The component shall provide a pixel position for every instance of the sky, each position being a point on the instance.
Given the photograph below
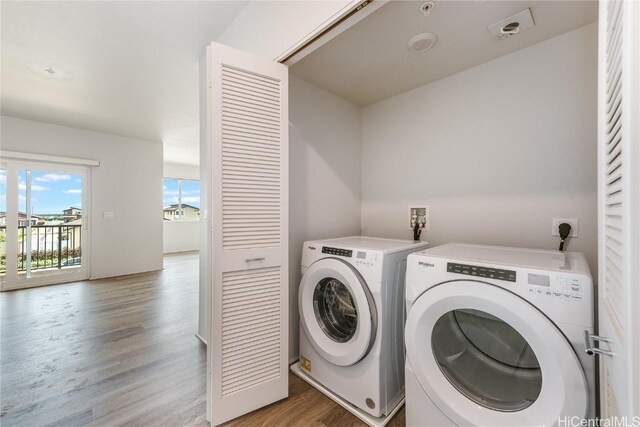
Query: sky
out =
(190, 192)
(51, 193)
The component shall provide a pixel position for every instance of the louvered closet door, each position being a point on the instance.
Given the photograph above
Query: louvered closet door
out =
(619, 207)
(249, 232)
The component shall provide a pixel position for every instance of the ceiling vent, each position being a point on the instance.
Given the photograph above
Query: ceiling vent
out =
(512, 25)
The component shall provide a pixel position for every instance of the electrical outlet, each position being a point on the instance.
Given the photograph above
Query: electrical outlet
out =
(556, 223)
(419, 214)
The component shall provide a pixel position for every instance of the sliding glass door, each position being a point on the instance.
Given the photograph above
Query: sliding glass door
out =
(43, 224)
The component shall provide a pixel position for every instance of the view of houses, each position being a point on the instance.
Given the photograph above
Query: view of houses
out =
(177, 212)
(54, 242)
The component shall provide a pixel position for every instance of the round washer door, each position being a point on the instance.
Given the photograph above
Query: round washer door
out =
(485, 356)
(337, 311)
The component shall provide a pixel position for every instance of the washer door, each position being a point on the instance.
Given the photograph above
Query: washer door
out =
(485, 356)
(337, 311)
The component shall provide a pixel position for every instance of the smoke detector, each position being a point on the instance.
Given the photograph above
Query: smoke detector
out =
(422, 42)
(512, 25)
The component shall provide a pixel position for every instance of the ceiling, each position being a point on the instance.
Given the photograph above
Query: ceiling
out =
(370, 61)
(128, 68)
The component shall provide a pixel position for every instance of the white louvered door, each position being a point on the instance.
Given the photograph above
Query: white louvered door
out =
(619, 208)
(248, 206)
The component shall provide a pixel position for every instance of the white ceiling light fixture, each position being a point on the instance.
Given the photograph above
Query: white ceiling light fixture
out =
(49, 71)
(422, 42)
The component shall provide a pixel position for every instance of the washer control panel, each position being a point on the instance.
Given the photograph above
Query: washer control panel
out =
(479, 271)
(555, 286)
(348, 253)
(365, 259)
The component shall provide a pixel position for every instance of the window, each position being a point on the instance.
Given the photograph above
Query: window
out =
(181, 199)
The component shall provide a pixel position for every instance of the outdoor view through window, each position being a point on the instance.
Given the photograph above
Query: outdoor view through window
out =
(181, 199)
(49, 221)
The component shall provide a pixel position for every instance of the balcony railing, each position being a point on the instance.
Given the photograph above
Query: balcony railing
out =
(52, 247)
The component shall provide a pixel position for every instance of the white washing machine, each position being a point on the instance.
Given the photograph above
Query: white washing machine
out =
(496, 336)
(351, 302)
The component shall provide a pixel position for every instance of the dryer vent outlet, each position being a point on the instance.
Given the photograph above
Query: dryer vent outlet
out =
(512, 25)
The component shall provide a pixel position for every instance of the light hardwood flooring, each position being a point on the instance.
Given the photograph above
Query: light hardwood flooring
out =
(122, 351)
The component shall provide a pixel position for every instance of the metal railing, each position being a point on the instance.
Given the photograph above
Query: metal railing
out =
(52, 247)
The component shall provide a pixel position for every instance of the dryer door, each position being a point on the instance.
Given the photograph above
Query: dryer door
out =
(337, 311)
(485, 356)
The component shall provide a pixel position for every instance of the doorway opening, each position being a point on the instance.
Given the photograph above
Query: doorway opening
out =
(44, 233)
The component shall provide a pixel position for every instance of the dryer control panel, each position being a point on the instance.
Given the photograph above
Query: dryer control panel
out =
(480, 271)
(557, 286)
(337, 251)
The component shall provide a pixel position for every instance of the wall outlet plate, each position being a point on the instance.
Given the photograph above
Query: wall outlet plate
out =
(419, 213)
(571, 221)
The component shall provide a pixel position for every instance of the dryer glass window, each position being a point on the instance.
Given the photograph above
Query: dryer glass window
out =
(486, 360)
(335, 309)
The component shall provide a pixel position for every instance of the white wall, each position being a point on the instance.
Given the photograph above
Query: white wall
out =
(324, 168)
(496, 151)
(128, 183)
(180, 236)
(178, 170)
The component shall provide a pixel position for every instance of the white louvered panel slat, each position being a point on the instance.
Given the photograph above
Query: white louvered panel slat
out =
(614, 199)
(242, 75)
(244, 141)
(619, 206)
(254, 119)
(251, 153)
(264, 101)
(231, 159)
(248, 105)
(253, 102)
(254, 79)
(614, 173)
(249, 113)
(232, 83)
(613, 179)
(250, 357)
(251, 181)
(249, 127)
(613, 151)
(243, 325)
(247, 85)
(243, 348)
(614, 119)
(240, 282)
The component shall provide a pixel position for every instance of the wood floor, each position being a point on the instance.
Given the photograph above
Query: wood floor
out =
(122, 351)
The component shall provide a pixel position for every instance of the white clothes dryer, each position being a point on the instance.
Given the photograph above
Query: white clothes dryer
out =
(496, 336)
(351, 302)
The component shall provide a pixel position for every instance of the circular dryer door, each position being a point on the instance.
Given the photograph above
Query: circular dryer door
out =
(337, 311)
(485, 356)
